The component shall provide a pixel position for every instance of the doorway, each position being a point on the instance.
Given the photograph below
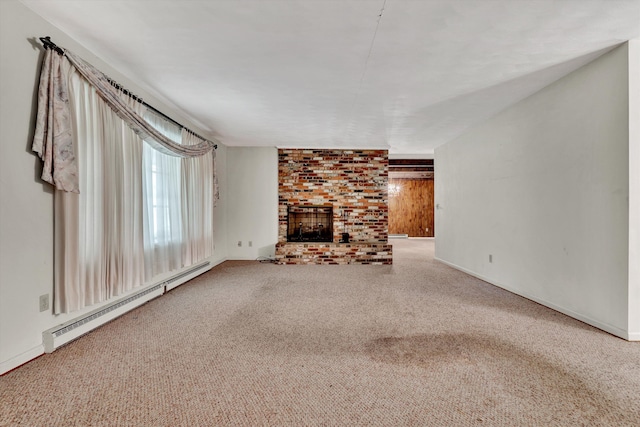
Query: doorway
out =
(411, 197)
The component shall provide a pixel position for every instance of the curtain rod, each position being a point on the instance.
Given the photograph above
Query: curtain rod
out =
(48, 44)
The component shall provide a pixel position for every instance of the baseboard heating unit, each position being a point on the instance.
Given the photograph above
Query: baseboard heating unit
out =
(67, 332)
(189, 274)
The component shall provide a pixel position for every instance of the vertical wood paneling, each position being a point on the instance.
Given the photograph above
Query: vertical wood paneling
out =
(411, 209)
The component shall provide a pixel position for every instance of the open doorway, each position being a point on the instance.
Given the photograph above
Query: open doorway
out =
(411, 197)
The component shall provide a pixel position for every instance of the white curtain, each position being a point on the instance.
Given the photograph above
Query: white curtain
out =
(163, 211)
(198, 198)
(99, 232)
(52, 137)
(125, 210)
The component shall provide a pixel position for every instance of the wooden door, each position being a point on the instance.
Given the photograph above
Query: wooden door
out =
(411, 208)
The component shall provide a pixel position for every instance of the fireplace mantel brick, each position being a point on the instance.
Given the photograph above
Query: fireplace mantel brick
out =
(352, 181)
(333, 253)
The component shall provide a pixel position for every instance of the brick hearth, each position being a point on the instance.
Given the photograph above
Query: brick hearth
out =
(353, 182)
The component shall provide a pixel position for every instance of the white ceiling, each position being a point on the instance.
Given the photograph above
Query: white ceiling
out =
(403, 75)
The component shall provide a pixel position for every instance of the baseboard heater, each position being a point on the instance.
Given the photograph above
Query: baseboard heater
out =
(180, 278)
(67, 332)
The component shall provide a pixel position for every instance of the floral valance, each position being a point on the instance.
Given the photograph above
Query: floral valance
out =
(53, 138)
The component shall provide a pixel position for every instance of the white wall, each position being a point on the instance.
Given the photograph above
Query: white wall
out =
(544, 187)
(26, 204)
(253, 201)
(634, 189)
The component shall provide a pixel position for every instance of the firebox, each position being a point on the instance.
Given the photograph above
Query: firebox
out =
(310, 224)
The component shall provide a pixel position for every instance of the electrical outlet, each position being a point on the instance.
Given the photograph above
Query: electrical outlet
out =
(250, 244)
(44, 302)
(490, 258)
(239, 243)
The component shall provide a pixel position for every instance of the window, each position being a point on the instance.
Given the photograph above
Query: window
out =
(162, 183)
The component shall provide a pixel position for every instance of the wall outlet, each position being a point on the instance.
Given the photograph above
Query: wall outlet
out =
(490, 258)
(44, 302)
(250, 244)
(239, 243)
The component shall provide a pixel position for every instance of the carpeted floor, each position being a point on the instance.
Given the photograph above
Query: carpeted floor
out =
(416, 343)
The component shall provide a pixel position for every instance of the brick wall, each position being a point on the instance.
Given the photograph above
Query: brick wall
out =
(353, 182)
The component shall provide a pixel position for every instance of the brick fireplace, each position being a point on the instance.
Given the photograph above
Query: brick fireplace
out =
(346, 190)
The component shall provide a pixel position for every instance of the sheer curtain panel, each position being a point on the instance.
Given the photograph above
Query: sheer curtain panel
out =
(126, 210)
(163, 211)
(99, 232)
(198, 198)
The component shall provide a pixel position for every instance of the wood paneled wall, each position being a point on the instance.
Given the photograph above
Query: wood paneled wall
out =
(411, 209)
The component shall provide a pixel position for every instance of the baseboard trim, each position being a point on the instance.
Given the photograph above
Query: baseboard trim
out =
(21, 359)
(634, 336)
(613, 330)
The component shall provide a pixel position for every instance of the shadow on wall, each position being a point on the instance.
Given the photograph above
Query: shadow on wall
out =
(268, 251)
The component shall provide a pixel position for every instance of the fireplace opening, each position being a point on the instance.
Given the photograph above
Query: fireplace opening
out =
(310, 224)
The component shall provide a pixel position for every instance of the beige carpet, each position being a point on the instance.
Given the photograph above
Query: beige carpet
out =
(251, 344)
